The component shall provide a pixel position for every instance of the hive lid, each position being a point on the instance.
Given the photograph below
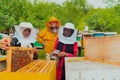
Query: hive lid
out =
(103, 49)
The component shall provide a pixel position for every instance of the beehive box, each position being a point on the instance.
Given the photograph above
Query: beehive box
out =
(98, 34)
(18, 57)
(110, 33)
(36, 70)
(104, 49)
(21, 66)
(87, 35)
(80, 69)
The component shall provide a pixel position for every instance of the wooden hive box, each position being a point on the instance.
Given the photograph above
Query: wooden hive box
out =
(36, 70)
(31, 70)
(103, 49)
(18, 57)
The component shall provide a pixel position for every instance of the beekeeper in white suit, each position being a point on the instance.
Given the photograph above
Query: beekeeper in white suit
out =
(25, 36)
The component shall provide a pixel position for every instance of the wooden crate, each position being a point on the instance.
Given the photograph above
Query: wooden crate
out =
(103, 49)
(36, 70)
(80, 69)
(18, 57)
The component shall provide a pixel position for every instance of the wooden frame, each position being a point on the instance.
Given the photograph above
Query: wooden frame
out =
(18, 57)
(103, 49)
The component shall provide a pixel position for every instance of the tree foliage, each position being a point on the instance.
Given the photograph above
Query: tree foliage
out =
(105, 19)
(13, 12)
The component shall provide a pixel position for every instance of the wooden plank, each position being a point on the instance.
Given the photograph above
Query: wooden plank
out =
(94, 48)
(33, 69)
(42, 69)
(49, 67)
(18, 57)
(103, 49)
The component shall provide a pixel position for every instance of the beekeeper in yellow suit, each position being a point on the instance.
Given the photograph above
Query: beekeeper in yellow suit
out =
(48, 36)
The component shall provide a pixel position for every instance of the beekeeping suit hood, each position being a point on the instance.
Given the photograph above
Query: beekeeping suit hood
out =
(67, 40)
(25, 42)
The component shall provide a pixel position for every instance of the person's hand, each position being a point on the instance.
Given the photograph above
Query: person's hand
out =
(62, 54)
(5, 43)
(34, 50)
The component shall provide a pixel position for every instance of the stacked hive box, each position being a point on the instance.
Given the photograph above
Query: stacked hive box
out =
(101, 60)
(21, 66)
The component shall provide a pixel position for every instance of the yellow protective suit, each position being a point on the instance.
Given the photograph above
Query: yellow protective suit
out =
(48, 38)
